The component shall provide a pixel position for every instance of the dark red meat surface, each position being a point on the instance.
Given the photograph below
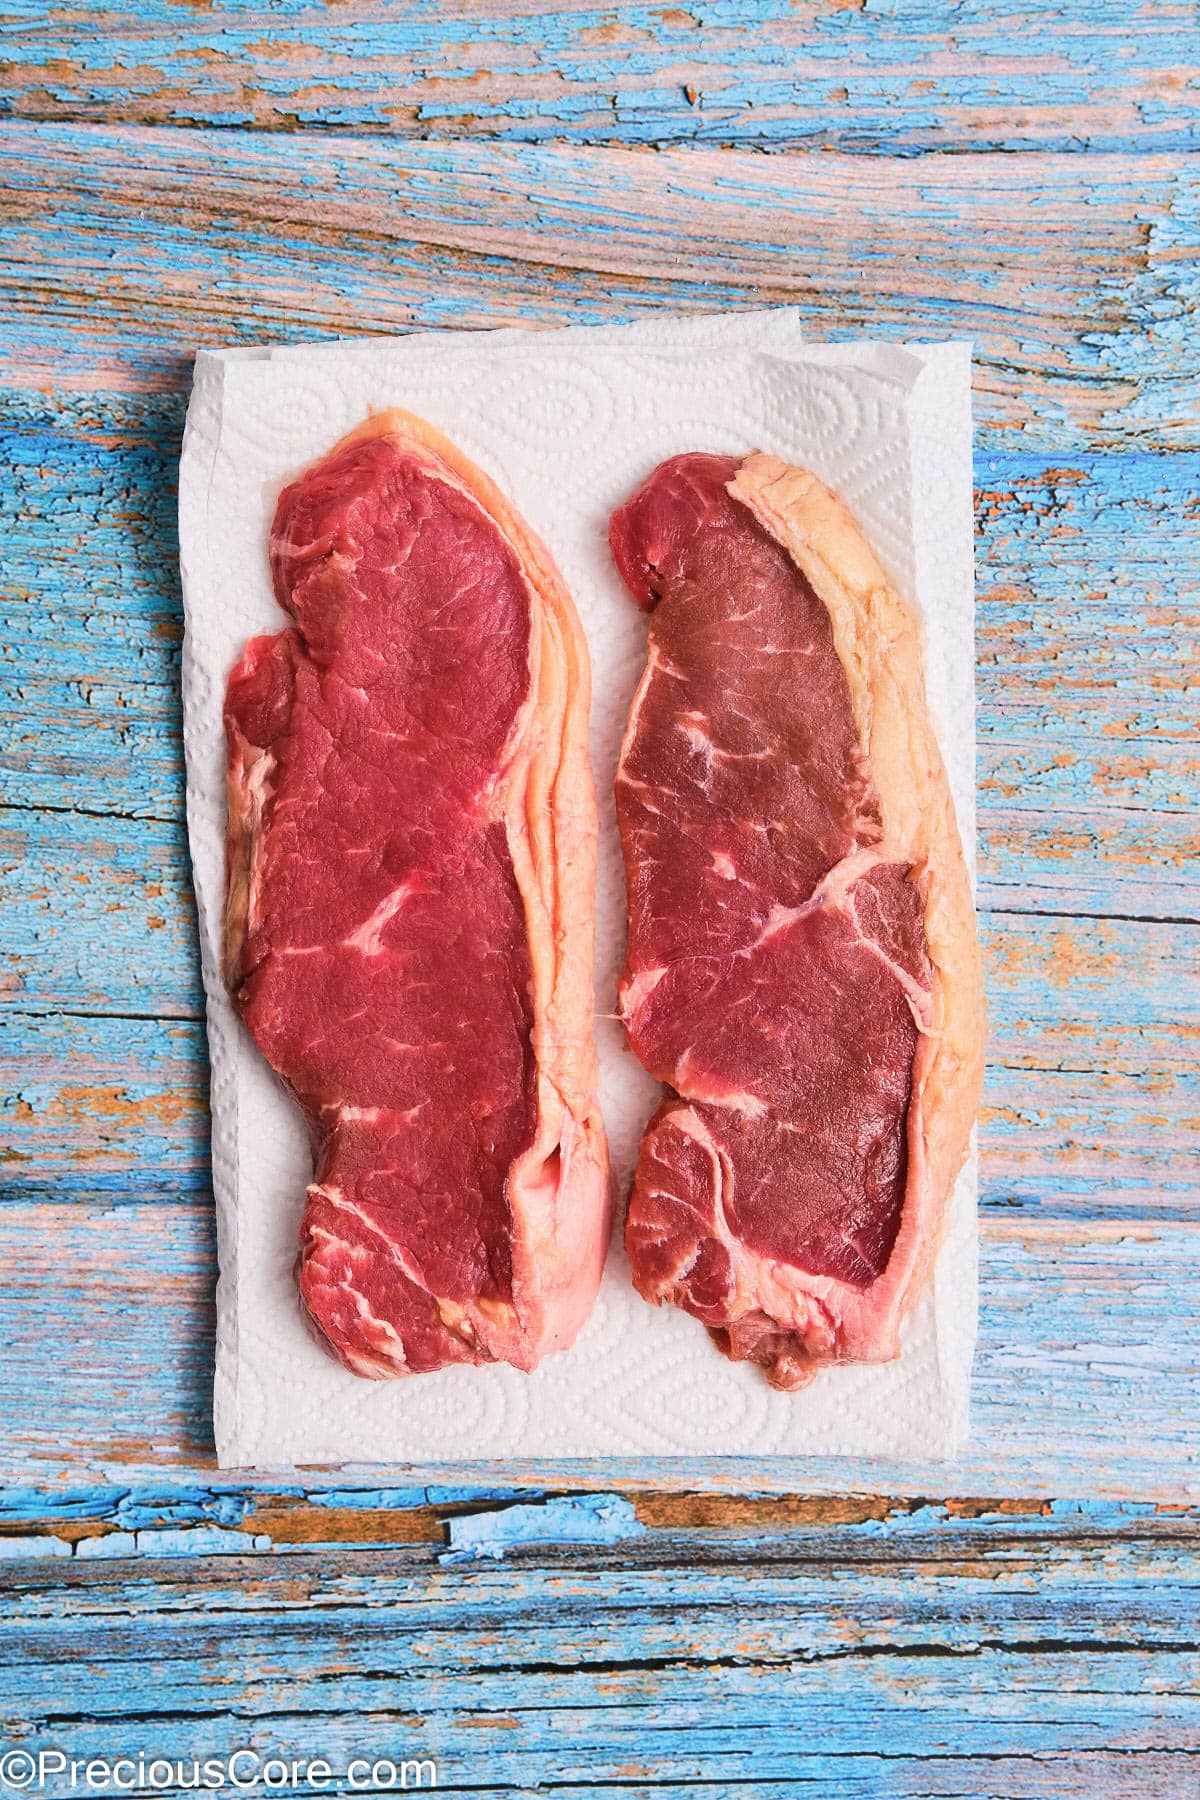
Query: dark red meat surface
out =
(384, 968)
(774, 955)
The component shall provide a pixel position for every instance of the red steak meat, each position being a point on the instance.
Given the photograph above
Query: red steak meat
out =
(801, 970)
(408, 936)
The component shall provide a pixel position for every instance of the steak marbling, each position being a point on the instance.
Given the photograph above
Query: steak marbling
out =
(802, 971)
(411, 858)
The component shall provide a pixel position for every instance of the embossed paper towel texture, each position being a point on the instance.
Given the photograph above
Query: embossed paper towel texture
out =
(568, 422)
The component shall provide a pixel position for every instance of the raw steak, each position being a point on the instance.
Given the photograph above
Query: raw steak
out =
(802, 970)
(411, 861)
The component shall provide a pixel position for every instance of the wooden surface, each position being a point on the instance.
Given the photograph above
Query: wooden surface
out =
(177, 173)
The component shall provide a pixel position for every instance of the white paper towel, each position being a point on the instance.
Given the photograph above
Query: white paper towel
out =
(568, 422)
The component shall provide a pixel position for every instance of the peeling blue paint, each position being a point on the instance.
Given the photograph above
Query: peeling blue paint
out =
(568, 1519)
(875, 79)
(36, 1549)
(196, 1540)
(397, 1499)
(228, 244)
(87, 556)
(182, 1502)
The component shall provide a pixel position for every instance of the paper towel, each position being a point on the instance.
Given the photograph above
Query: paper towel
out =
(568, 422)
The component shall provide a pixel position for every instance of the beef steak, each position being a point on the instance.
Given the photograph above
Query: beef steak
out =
(801, 969)
(411, 858)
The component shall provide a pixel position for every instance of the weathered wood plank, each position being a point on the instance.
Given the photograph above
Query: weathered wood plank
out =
(807, 1639)
(199, 1516)
(104, 1106)
(1119, 1775)
(827, 73)
(101, 915)
(1150, 1545)
(1088, 597)
(729, 1642)
(1086, 1377)
(124, 248)
(578, 1622)
(1087, 701)
(100, 921)
(1067, 823)
(1137, 864)
(1101, 1775)
(707, 1587)
(652, 1729)
(140, 1306)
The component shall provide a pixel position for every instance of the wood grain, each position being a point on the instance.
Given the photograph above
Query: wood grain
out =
(122, 249)
(911, 1649)
(889, 80)
(1089, 612)
(1087, 609)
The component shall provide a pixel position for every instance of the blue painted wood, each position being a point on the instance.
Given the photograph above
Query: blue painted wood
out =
(91, 620)
(568, 1519)
(155, 241)
(888, 79)
(912, 1649)
(1090, 1101)
(727, 1640)
(103, 920)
